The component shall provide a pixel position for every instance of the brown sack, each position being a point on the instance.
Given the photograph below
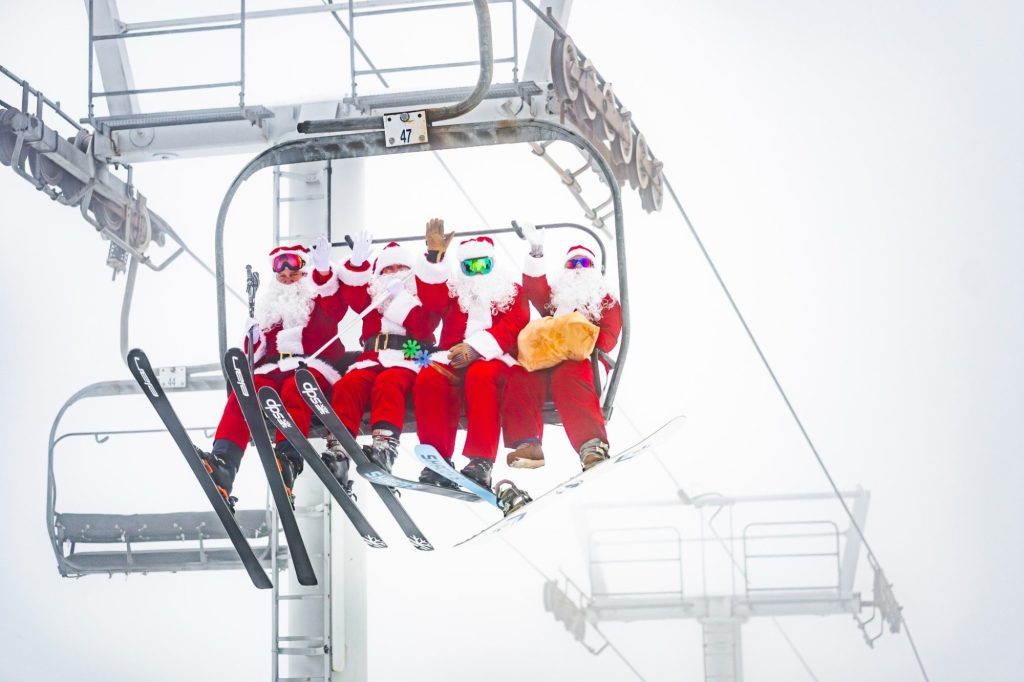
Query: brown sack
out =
(548, 341)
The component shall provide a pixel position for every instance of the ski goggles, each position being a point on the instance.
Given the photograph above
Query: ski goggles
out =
(579, 262)
(477, 266)
(287, 261)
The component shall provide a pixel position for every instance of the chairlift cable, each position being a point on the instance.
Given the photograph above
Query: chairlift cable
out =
(872, 558)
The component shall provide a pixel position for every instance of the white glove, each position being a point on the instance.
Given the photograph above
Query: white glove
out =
(322, 254)
(362, 244)
(534, 236)
(253, 330)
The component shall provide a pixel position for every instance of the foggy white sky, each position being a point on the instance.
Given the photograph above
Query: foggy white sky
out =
(854, 168)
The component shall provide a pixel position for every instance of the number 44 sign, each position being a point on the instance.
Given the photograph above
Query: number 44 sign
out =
(409, 127)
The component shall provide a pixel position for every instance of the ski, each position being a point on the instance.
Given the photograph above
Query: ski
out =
(236, 369)
(318, 402)
(274, 408)
(431, 458)
(140, 368)
(579, 479)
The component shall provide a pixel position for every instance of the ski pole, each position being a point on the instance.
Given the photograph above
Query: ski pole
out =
(252, 283)
(370, 308)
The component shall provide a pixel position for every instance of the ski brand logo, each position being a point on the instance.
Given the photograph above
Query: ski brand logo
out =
(374, 541)
(276, 411)
(239, 379)
(146, 380)
(312, 392)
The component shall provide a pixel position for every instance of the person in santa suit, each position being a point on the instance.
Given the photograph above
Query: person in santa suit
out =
(482, 311)
(579, 286)
(397, 336)
(296, 315)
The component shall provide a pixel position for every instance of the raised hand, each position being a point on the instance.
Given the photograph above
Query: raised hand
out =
(362, 245)
(322, 254)
(437, 240)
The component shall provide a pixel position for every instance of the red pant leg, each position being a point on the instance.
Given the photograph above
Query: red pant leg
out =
(296, 406)
(437, 401)
(572, 389)
(352, 396)
(482, 386)
(387, 399)
(232, 424)
(522, 404)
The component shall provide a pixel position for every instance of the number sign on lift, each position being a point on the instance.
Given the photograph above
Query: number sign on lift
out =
(409, 127)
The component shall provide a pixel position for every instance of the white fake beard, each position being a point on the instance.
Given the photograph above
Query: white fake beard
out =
(379, 286)
(287, 304)
(582, 289)
(494, 291)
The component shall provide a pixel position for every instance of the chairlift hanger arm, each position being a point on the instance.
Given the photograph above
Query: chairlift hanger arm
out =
(483, 84)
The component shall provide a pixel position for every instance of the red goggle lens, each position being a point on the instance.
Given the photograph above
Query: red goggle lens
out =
(288, 261)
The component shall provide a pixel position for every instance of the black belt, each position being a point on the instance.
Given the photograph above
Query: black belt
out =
(386, 341)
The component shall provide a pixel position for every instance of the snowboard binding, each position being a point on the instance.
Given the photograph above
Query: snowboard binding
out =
(511, 497)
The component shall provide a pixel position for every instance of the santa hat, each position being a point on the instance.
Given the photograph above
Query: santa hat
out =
(393, 254)
(298, 249)
(580, 251)
(477, 247)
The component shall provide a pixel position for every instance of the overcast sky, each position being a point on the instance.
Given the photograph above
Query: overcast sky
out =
(854, 168)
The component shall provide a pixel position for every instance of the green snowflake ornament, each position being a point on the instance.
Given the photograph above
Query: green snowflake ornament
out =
(410, 348)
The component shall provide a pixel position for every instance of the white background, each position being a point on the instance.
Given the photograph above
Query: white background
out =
(854, 168)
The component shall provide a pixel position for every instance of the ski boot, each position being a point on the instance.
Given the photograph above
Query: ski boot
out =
(593, 452)
(527, 455)
(479, 469)
(290, 464)
(384, 449)
(338, 463)
(430, 477)
(510, 497)
(222, 464)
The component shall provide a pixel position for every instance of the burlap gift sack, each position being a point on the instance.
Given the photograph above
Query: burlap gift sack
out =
(548, 341)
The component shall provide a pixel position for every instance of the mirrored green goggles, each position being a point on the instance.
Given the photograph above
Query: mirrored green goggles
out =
(477, 266)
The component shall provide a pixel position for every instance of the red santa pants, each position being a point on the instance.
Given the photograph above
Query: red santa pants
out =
(383, 389)
(232, 424)
(571, 384)
(438, 402)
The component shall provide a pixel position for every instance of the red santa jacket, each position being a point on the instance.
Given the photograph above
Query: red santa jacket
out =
(538, 291)
(493, 334)
(403, 315)
(281, 348)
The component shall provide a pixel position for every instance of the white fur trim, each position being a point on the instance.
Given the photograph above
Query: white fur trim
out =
(362, 364)
(432, 273)
(475, 249)
(393, 255)
(484, 344)
(584, 253)
(319, 365)
(355, 276)
(477, 320)
(290, 340)
(441, 357)
(330, 287)
(534, 267)
(400, 307)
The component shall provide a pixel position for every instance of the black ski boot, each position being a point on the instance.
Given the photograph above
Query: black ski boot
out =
(431, 477)
(337, 461)
(290, 464)
(222, 464)
(384, 449)
(479, 469)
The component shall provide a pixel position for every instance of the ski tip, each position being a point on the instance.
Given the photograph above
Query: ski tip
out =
(306, 580)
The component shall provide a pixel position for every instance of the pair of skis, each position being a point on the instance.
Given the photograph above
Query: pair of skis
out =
(253, 406)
